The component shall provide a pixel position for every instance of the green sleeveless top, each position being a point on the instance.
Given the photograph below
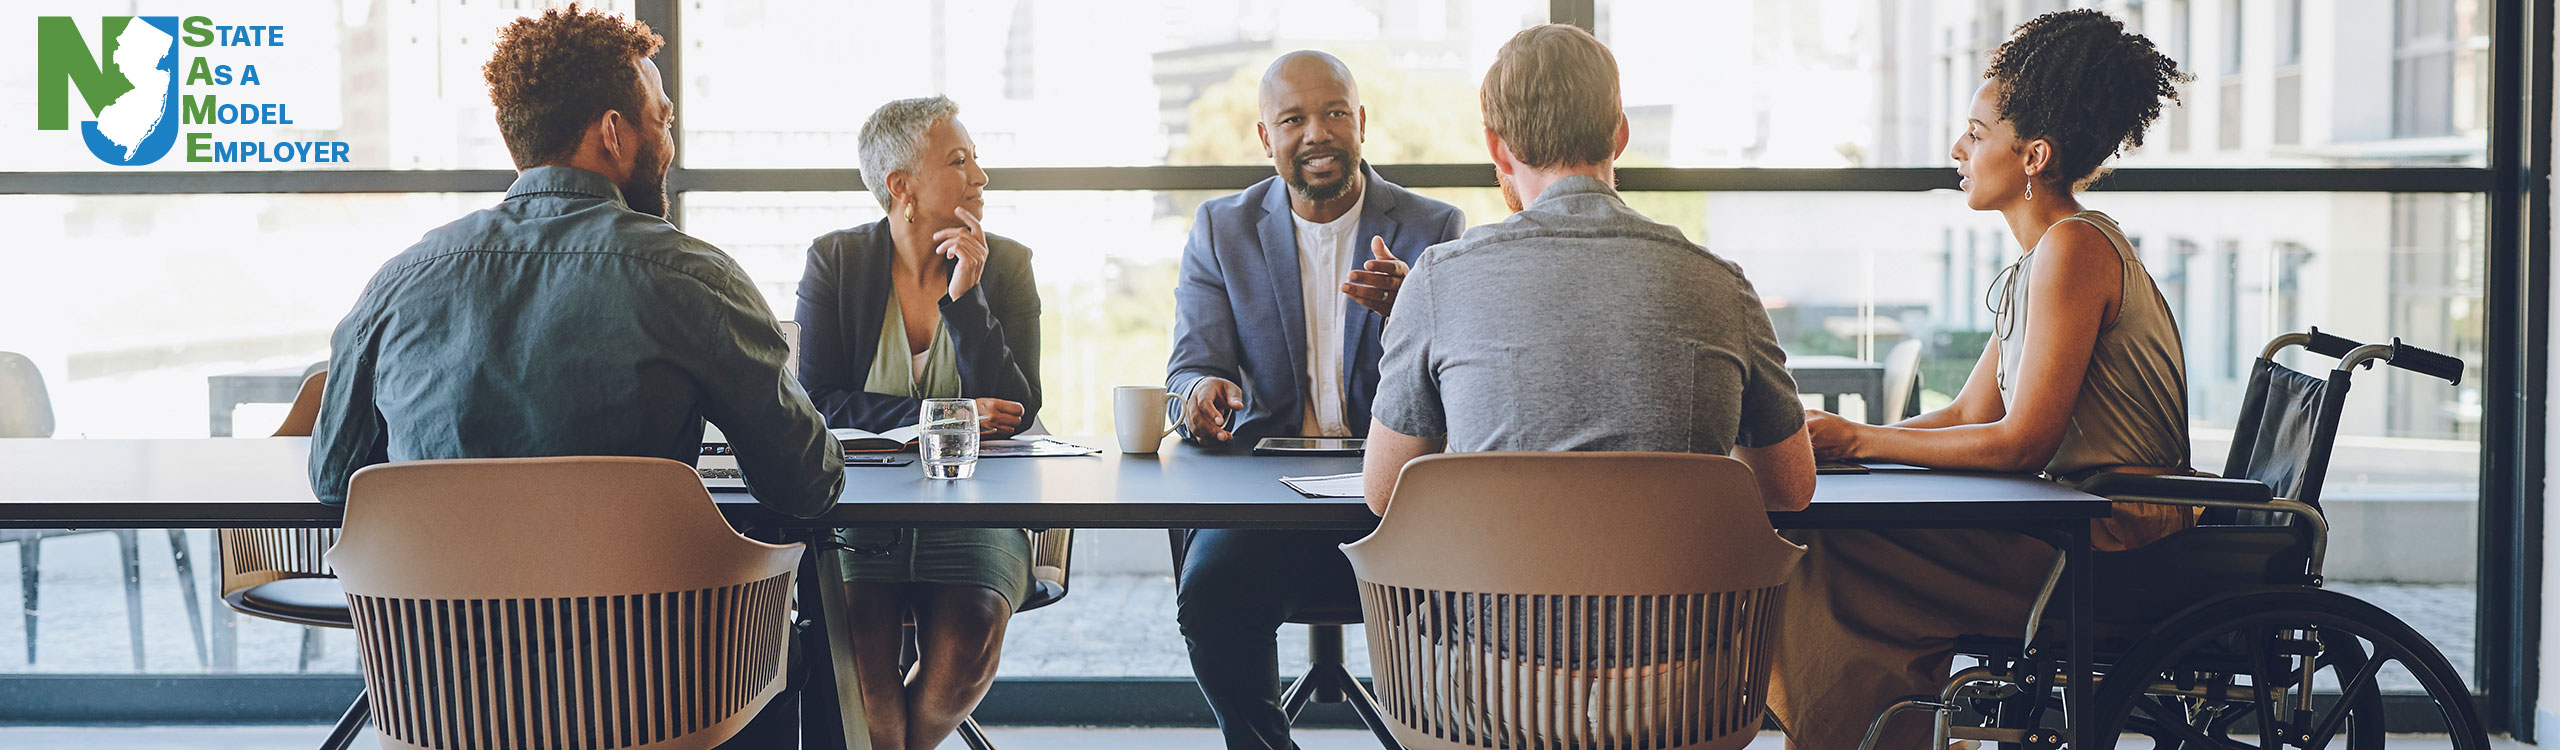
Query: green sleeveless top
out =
(895, 372)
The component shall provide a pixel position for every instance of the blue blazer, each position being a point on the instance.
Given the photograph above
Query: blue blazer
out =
(1238, 313)
(844, 298)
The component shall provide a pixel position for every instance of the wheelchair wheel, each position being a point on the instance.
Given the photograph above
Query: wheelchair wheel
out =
(2231, 675)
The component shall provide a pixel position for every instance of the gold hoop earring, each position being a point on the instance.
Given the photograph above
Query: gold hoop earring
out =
(2031, 195)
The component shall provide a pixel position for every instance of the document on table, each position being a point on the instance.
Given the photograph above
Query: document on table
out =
(1037, 447)
(1331, 485)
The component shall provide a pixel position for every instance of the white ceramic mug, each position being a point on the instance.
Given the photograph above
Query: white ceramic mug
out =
(1140, 413)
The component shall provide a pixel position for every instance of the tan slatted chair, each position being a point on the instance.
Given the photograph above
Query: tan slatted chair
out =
(279, 574)
(586, 602)
(1572, 600)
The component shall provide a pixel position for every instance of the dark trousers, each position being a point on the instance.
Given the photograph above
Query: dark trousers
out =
(1236, 588)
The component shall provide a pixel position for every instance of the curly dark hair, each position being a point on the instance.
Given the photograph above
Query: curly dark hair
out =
(553, 74)
(2078, 80)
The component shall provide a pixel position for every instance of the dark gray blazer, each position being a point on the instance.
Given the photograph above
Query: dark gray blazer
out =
(844, 296)
(1238, 313)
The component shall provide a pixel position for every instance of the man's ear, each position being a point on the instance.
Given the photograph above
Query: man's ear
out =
(1263, 132)
(610, 129)
(1502, 160)
(1360, 124)
(1619, 148)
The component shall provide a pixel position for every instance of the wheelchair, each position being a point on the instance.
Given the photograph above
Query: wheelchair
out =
(2220, 636)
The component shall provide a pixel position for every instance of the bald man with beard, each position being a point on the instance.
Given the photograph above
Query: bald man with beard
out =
(1285, 290)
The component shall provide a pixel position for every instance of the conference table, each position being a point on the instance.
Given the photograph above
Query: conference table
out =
(262, 483)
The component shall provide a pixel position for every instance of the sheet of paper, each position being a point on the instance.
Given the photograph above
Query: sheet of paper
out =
(1031, 448)
(1331, 485)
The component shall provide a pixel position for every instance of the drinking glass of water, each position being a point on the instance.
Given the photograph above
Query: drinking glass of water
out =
(948, 438)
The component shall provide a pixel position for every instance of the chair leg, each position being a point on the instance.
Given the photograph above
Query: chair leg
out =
(130, 543)
(350, 725)
(181, 556)
(975, 737)
(1295, 700)
(30, 553)
(1367, 706)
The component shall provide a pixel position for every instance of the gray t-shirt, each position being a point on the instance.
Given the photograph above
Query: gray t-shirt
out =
(1579, 324)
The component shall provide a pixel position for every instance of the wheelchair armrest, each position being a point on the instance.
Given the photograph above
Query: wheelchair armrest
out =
(2176, 487)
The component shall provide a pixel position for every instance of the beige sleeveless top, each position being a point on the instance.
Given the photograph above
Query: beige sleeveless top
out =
(2132, 409)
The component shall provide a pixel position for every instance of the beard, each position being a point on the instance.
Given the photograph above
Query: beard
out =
(646, 191)
(1510, 195)
(1319, 193)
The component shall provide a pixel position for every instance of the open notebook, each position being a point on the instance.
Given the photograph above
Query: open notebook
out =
(853, 441)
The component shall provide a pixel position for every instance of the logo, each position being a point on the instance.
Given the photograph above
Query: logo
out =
(130, 85)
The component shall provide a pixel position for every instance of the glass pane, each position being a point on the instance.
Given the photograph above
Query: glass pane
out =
(397, 83)
(145, 297)
(1846, 83)
(1059, 83)
(87, 626)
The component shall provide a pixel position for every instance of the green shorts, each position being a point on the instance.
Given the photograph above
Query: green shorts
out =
(995, 559)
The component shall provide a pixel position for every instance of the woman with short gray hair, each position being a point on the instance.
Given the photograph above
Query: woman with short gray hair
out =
(923, 304)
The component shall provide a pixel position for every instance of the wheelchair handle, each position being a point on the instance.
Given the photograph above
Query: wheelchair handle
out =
(2423, 362)
(2330, 345)
(2350, 352)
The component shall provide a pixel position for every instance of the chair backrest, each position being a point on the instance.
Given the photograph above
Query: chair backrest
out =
(1902, 381)
(597, 602)
(1053, 554)
(257, 557)
(2288, 423)
(305, 413)
(26, 409)
(1572, 600)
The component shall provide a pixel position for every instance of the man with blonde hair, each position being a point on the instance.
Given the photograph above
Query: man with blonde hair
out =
(1577, 324)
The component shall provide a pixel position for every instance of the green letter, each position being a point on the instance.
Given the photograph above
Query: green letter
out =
(62, 57)
(201, 72)
(196, 147)
(199, 31)
(190, 114)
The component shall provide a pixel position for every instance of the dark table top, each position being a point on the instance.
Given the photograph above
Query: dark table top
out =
(261, 482)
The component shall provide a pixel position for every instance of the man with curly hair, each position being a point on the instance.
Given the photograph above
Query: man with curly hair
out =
(570, 318)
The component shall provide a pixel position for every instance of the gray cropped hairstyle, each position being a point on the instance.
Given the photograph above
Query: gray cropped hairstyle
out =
(892, 135)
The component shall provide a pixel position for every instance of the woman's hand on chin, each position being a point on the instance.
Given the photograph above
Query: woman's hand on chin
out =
(967, 245)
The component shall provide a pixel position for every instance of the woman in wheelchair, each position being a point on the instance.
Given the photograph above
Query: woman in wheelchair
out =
(2084, 375)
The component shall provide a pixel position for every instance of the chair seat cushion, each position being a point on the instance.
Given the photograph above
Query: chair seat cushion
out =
(303, 601)
(1042, 594)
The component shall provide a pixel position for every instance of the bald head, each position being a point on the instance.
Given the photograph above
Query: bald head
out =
(1303, 70)
(1311, 128)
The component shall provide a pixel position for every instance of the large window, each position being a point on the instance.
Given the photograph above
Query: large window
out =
(1070, 84)
(1805, 140)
